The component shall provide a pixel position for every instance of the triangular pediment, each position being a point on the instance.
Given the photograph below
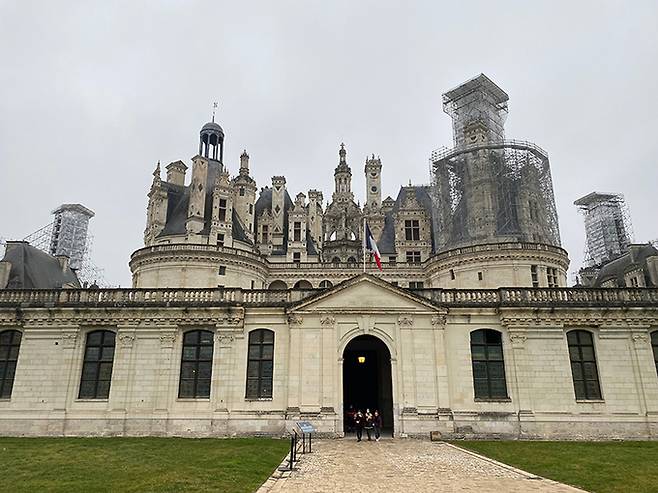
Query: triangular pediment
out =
(365, 292)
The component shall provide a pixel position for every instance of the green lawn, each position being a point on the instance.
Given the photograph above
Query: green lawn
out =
(137, 464)
(601, 467)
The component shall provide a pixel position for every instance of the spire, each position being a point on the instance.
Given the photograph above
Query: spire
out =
(214, 109)
(156, 174)
(342, 153)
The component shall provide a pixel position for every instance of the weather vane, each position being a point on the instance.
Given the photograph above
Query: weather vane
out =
(214, 109)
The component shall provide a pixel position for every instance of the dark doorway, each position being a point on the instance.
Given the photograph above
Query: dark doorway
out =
(367, 379)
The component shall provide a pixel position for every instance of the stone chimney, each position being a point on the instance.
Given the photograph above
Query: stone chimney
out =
(176, 173)
(5, 268)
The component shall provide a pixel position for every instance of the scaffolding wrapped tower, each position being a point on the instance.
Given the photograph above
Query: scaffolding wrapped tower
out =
(487, 189)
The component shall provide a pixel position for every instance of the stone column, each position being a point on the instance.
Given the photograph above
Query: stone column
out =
(442, 380)
(645, 372)
(520, 380)
(294, 367)
(330, 400)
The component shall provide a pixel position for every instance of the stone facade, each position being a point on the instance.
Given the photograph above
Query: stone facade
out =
(427, 333)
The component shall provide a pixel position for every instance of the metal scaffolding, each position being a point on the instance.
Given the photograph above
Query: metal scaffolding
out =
(488, 189)
(608, 226)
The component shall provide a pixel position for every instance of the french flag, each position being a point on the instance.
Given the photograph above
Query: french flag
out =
(370, 246)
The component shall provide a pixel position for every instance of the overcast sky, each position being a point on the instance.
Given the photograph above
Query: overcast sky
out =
(93, 94)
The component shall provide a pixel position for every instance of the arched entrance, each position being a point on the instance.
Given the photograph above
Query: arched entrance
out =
(367, 379)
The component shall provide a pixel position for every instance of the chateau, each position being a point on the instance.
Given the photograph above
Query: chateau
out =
(251, 310)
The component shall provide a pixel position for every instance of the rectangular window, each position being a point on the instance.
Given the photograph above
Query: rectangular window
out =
(535, 276)
(416, 285)
(260, 364)
(392, 260)
(222, 209)
(251, 208)
(413, 257)
(480, 276)
(583, 365)
(265, 233)
(241, 191)
(297, 257)
(222, 270)
(97, 366)
(488, 365)
(220, 239)
(10, 343)
(252, 284)
(297, 231)
(452, 274)
(411, 230)
(551, 277)
(196, 365)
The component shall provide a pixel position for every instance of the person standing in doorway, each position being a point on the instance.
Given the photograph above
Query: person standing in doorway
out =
(358, 424)
(368, 423)
(378, 423)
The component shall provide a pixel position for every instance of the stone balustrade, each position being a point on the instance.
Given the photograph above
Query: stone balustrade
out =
(558, 297)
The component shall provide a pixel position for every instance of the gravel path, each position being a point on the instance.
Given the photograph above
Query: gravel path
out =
(402, 465)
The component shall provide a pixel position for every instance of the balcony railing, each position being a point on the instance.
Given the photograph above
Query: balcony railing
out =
(552, 297)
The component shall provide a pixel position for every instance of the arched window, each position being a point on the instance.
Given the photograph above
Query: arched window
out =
(278, 285)
(351, 260)
(97, 366)
(488, 364)
(583, 365)
(326, 284)
(654, 346)
(196, 365)
(10, 343)
(303, 284)
(260, 366)
(335, 260)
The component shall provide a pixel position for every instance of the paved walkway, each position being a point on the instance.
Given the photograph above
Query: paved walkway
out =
(402, 465)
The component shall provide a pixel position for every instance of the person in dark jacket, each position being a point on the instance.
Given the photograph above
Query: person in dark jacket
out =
(378, 424)
(358, 424)
(368, 421)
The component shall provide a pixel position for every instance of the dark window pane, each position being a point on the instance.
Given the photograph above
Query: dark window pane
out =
(579, 388)
(186, 388)
(268, 336)
(496, 370)
(108, 338)
(588, 353)
(204, 370)
(13, 353)
(478, 353)
(590, 371)
(266, 369)
(188, 370)
(203, 388)
(495, 353)
(90, 371)
(87, 389)
(254, 351)
(206, 337)
(205, 353)
(107, 354)
(105, 371)
(92, 354)
(492, 337)
(574, 353)
(266, 389)
(2, 369)
(191, 337)
(585, 337)
(498, 388)
(94, 338)
(252, 388)
(481, 388)
(477, 337)
(268, 351)
(5, 337)
(593, 390)
(577, 371)
(10, 371)
(253, 370)
(572, 337)
(479, 369)
(189, 353)
(103, 389)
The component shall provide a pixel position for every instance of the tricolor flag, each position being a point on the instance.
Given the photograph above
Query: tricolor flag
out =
(370, 245)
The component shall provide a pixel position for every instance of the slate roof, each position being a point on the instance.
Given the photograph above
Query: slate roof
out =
(616, 269)
(32, 268)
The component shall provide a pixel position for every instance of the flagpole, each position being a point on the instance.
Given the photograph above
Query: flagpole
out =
(363, 244)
